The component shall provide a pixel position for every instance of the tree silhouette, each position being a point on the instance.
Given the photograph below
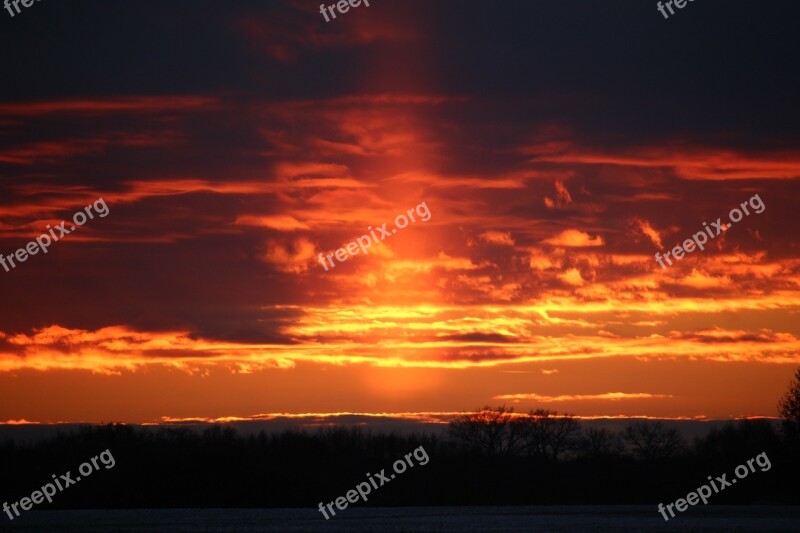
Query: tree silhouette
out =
(598, 443)
(789, 409)
(734, 440)
(547, 434)
(488, 430)
(653, 441)
(216, 467)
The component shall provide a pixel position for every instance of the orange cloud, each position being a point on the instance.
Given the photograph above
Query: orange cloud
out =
(648, 230)
(574, 238)
(414, 336)
(276, 222)
(690, 164)
(612, 396)
(133, 104)
(497, 237)
(20, 422)
(294, 257)
(563, 197)
(572, 277)
(49, 152)
(701, 280)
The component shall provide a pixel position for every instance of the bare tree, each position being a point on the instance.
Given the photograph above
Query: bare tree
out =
(489, 430)
(789, 408)
(652, 441)
(602, 443)
(548, 434)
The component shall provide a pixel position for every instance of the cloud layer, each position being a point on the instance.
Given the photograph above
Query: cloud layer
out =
(555, 167)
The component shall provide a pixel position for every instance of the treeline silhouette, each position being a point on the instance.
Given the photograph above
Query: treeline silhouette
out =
(490, 457)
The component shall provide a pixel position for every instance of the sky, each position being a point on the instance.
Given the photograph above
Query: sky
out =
(548, 151)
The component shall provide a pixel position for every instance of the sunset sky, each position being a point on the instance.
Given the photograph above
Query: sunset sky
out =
(557, 145)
